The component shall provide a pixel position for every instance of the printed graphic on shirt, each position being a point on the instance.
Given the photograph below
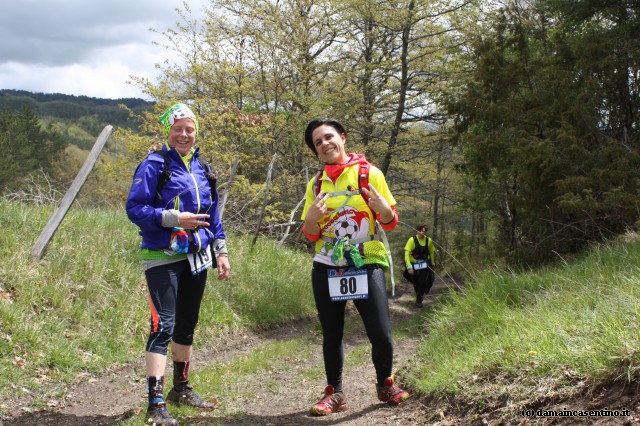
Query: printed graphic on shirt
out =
(348, 215)
(348, 222)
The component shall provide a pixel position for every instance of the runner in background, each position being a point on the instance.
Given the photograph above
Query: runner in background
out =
(419, 258)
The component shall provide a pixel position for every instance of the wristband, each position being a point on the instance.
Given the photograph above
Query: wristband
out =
(391, 221)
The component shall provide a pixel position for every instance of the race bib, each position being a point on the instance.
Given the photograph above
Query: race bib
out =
(200, 261)
(348, 284)
(421, 265)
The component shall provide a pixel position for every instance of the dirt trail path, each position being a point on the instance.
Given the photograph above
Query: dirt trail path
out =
(120, 394)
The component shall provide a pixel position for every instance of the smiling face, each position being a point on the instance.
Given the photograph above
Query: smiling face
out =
(182, 135)
(329, 144)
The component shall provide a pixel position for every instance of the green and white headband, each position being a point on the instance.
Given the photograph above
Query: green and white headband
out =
(174, 113)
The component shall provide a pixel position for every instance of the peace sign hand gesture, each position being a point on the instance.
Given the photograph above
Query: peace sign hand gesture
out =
(379, 204)
(316, 211)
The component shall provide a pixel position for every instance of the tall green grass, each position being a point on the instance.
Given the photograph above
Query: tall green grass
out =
(561, 325)
(83, 307)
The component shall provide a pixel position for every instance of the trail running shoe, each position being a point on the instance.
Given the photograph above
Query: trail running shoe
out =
(391, 393)
(158, 415)
(188, 397)
(330, 402)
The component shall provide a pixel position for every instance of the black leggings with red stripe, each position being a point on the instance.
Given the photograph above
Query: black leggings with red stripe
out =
(174, 299)
(374, 312)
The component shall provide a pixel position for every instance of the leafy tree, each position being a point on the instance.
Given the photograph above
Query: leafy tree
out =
(26, 146)
(543, 122)
(257, 71)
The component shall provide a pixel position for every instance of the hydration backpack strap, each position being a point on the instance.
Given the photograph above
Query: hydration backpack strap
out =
(332, 241)
(211, 176)
(317, 184)
(363, 180)
(165, 175)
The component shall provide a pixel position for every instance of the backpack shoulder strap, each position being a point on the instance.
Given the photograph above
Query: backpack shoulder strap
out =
(211, 176)
(363, 180)
(421, 250)
(317, 183)
(165, 176)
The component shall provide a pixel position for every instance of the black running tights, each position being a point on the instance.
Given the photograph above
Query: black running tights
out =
(374, 312)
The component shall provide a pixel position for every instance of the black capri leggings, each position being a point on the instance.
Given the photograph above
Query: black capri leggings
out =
(374, 312)
(174, 299)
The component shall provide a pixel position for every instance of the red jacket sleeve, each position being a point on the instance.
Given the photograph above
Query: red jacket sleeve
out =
(390, 225)
(312, 237)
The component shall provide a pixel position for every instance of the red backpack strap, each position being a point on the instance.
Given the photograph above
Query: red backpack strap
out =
(317, 184)
(363, 180)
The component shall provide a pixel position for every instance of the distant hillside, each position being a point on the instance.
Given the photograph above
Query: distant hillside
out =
(79, 118)
(81, 100)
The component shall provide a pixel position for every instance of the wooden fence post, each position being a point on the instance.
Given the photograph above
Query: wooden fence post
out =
(225, 193)
(266, 199)
(293, 213)
(54, 222)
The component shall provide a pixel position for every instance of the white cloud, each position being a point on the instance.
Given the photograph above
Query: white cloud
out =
(81, 47)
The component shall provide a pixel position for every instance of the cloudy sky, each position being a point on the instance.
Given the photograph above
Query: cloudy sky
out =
(83, 47)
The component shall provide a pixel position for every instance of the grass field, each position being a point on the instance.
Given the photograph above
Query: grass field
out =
(82, 310)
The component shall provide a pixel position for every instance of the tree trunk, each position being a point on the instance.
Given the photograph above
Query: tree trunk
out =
(404, 85)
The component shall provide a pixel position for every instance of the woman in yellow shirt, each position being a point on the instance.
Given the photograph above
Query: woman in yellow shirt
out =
(419, 258)
(341, 217)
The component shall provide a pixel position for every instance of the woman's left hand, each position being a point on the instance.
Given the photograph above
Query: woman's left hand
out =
(378, 203)
(223, 267)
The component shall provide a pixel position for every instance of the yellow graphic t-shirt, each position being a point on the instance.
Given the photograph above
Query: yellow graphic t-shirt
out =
(349, 215)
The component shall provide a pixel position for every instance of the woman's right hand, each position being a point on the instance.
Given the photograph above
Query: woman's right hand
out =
(188, 220)
(316, 211)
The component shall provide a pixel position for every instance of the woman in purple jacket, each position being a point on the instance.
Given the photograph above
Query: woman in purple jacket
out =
(174, 202)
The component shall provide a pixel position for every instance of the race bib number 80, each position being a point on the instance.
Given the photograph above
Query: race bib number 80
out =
(348, 284)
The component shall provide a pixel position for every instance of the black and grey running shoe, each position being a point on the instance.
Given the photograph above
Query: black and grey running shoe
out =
(158, 415)
(189, 398)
